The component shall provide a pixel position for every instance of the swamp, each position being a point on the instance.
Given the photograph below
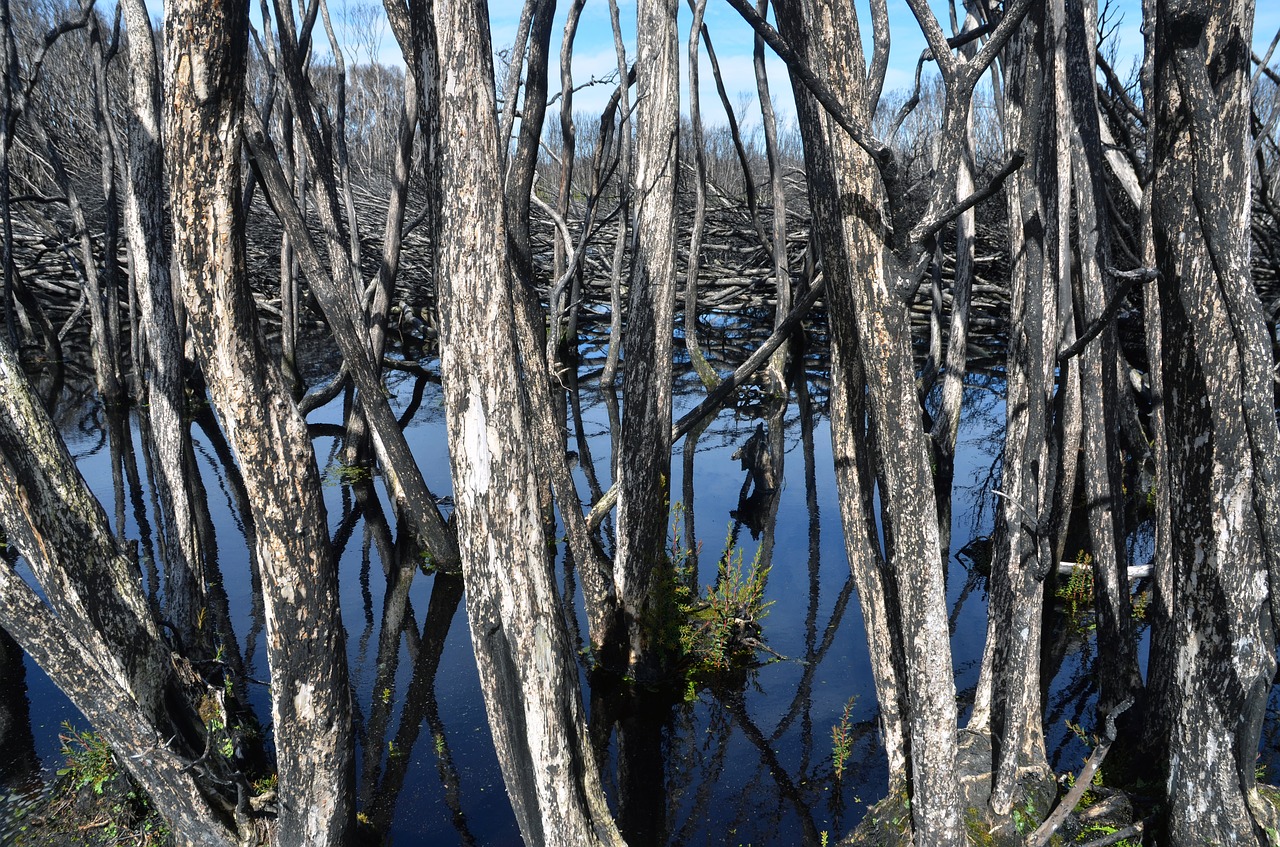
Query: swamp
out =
(409, 436)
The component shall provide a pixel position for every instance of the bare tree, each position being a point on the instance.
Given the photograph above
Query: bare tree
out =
(311, 710)
(647, 379)
(521, 644)
(1219, 615)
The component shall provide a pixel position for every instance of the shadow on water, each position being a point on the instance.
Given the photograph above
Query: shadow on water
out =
(747, 761)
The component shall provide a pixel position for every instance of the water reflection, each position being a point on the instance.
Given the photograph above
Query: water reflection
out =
(749, 761)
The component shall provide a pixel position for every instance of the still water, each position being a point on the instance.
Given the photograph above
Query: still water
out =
(750, 764)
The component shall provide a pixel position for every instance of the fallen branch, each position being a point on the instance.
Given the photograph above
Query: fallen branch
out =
(1135, 571)
(1084, 779)
(1117, 836)
(716, 398)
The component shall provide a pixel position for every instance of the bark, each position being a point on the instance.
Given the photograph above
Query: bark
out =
(1119, 677)
(311, 710)
(647, 375)
(108, 150)
(706, 373)
(564, 263)
(521, 645)
(546, 419)
(161, 382)
(101, 298)
(778, 196)
(946, 425)
(96, 638)
(610, 373)
(876, 591)
(8, 81)
(1021, 556)
(845, 185)
(1223, 442)
(336, 287)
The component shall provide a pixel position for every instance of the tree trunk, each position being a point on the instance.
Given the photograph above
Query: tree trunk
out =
(527, 673)
(1021, 557)
(646, 366)
(95, 638)
(161, 383)
(205, 65)
(844, 182)
(1118, 673)
(1223, 441)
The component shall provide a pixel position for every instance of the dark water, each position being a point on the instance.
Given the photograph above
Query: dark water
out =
(748, 765)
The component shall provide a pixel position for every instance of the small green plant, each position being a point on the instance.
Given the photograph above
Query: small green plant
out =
(1077, 592)
(439, 744)
(343, 474)
(426, 562)
(842, 739)
(89, 761)
(265, 784)
(126, 813)
(707, 635)
(1025, 817)
(1141, 603)
(1098, 831)
(979, 835)
(721, 628)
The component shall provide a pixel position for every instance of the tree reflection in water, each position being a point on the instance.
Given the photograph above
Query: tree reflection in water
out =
(747, 760)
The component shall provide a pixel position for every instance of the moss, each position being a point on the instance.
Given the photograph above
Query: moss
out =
(976, 828)
(887, 823)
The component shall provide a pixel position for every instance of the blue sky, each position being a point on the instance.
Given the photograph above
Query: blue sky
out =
(732, 38)
(594, 51)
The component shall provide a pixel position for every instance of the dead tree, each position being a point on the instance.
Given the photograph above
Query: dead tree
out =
(161, 380)
(855, 190)
(1009, 688)
(204, 76)
(337, 282)
(1220, 612)
(646, 368)
(527, 672)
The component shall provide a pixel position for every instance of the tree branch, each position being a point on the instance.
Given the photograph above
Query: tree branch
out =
(860, 133)
(1084, 779)
(716, 398)
(1129, 279)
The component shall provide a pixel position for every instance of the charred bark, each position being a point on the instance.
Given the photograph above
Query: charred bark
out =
(521, 644)
(311, 710)
(1223, 444)
(646, 368)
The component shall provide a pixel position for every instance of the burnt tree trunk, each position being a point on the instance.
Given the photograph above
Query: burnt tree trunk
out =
(1101, 442)
(868, 309)
(95, 637)
(161, 382)
(1021, 557)
(647, 343)
(204, 74)
(1223, 444)
(527, 672)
